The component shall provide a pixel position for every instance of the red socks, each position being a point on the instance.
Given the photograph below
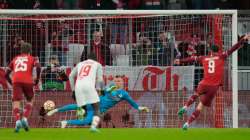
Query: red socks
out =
(16, 113)
(27, 110)
(194, 116)
(191, 100)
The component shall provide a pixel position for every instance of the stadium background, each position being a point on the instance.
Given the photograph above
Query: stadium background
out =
(35, 36)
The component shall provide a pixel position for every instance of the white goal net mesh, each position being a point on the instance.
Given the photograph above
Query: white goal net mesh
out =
(140, 47)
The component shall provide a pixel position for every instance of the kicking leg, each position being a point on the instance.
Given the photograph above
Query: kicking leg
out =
(194, 116)
(190, 101)
(96, 118)
(63, 109)
(86, 121)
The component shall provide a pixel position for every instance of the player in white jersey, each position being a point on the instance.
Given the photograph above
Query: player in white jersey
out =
(88, 73)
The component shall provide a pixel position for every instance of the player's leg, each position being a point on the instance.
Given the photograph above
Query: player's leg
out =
(65, 108)
(16, 99)
(91, 97)
(86, 121)
(191, 100)
(29, 94)
(194, 116)
(96, 117)
(205, 100)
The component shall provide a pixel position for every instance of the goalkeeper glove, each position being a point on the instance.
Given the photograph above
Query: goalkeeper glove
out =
(143, 108)
(111, 88)
(80, 112)
(73, 95)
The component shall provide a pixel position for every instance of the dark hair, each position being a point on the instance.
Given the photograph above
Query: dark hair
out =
(119, 76)
(26, 47)
(214, 48)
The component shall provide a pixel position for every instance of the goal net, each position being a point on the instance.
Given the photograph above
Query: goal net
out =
(141, 45)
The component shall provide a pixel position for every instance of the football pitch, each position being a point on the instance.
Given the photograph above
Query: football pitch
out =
(126, 134)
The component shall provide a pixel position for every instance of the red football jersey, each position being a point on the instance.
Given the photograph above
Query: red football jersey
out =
(22, 68)
(213, 67)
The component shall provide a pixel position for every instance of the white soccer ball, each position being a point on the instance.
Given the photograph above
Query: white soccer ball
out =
(49, 105)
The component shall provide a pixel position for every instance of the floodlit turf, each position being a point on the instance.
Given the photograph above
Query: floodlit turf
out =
(126, 134)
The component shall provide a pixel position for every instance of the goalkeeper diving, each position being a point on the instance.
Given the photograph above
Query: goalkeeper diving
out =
(111, 95)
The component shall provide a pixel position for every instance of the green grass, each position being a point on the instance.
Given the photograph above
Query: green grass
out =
(126, 134)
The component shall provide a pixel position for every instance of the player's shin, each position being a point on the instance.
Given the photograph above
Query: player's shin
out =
(191, 100)
(17, 114)
(95, 122)
(68, 108)
(96, 118)
(27, 110)
(193, 117)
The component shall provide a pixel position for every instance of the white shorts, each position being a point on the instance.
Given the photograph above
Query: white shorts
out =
(86, 96)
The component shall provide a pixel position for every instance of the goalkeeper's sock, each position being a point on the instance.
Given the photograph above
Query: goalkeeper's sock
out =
(75, 122)
(68, 108)
(193, 117)
(63, 124)
(16, 113)
(191, 100)
(27, 110)
(95, 121)
(51, 112)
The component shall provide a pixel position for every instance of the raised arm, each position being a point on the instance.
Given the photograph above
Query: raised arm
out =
(241, 43)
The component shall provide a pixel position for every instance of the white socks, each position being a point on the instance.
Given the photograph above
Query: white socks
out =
(95, 122)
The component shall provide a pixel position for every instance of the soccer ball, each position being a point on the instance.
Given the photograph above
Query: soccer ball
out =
(49, 105)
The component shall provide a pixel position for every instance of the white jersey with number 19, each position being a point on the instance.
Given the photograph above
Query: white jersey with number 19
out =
(88, 73)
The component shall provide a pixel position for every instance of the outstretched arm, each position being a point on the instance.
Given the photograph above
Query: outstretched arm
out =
(242, 42)
(130, 101)
(133, 103)
(188, 59)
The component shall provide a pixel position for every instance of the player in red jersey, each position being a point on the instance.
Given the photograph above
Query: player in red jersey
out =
(22, 81)
(213, 66)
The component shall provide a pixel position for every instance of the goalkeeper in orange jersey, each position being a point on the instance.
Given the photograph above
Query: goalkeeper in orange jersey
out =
(213, 66)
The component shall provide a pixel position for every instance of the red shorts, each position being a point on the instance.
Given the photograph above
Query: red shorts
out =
(207, 93)
(21, 88)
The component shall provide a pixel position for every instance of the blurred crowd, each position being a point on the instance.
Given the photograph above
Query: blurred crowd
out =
(124, 4)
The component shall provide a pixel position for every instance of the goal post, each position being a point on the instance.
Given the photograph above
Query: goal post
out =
(133, 38)
(235, 71)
